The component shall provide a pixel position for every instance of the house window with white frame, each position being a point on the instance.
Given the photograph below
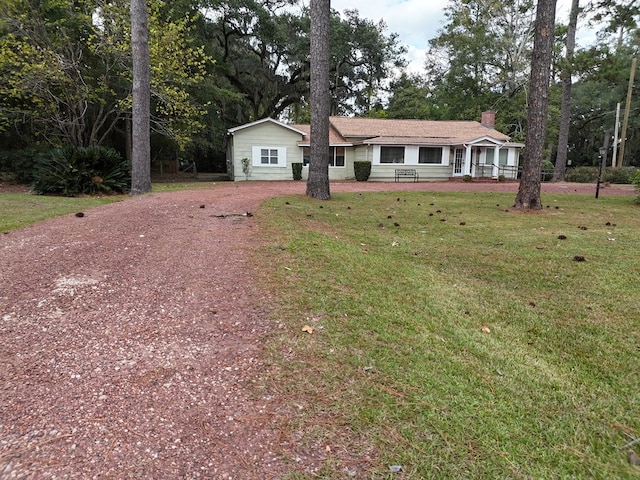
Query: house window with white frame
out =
(430, 155)
(336, 156)
(391, 154)
(488, 159)
(269, 156)
(337, 159)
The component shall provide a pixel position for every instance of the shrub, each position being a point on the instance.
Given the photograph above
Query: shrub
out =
(502, 178)
(619, 175)
(466, 178)
(246, 167)
(362, 170)
(581, 174)
(297, 170)
(547, 170)
(635, 180)
(72, 171)
(18, 165)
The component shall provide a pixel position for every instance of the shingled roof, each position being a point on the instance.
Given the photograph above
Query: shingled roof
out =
(348, 131)
(334, 137)
(392, 131)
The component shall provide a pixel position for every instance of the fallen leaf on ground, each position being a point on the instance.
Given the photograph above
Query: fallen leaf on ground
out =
(486, 329)
(307, 328)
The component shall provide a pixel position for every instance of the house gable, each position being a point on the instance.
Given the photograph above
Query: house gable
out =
(263, 150)
(239, 128)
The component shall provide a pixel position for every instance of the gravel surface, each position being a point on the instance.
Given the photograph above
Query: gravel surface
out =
(130, 338)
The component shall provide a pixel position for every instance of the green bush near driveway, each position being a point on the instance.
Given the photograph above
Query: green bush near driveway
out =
(72, 171)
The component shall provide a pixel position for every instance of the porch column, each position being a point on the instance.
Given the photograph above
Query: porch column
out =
(495, 171)
(467, 161)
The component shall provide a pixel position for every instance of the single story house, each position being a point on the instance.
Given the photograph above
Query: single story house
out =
(434, 150)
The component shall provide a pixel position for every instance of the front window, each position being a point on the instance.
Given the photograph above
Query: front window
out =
(503, 156)
(269, 156)
(430, 155)
(336, 158)
(489, 157)
(391, 154)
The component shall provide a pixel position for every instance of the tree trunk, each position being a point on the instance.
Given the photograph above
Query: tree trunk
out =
(140, 111)
(528, 197)
(318, 180)
(565, 109)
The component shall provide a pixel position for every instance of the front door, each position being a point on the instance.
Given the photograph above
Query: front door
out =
(458, 163)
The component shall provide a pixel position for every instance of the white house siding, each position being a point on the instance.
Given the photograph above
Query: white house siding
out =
(513, 160)
(387, 173)
(427, 172)
(266, 135)
(363, 153)
(336, 173)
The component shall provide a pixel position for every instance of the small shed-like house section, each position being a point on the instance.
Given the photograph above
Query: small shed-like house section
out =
(263, 150)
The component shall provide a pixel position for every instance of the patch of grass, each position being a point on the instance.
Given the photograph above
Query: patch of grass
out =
(22, 209)
(177, 186)
(456, 338)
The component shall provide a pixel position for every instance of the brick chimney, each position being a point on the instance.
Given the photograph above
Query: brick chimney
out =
(488, 119)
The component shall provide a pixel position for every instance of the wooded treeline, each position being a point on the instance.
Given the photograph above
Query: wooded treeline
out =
(65, 73)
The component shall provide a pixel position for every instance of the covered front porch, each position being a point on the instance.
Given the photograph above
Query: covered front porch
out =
(486, 158)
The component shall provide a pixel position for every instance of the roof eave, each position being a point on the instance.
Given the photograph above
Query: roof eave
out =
(233, 130)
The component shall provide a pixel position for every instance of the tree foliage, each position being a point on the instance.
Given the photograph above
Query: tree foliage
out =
(410, 98)
(262, 50)
(482, 53)
(65, 70)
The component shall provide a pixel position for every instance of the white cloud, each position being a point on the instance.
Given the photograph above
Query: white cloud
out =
(415, 21)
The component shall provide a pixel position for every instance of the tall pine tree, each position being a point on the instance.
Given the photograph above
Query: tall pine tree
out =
(528, 197)
(318, 180)
(141, 106)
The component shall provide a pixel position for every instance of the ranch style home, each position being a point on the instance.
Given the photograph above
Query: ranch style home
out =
(422, 149)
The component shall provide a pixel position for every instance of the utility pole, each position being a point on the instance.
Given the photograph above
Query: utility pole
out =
(625, 121)
(615, 137)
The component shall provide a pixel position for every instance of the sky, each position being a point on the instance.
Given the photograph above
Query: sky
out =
(418, 21)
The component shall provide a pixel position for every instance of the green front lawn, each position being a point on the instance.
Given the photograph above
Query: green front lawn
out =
(454, 338)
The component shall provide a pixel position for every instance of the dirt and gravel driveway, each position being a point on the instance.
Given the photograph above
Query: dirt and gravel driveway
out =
(130, 339)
